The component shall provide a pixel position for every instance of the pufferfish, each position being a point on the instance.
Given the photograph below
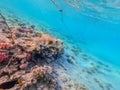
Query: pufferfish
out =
(10, 84)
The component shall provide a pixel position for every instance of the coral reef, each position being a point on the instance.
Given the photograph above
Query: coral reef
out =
(25, 55)
(41, 74)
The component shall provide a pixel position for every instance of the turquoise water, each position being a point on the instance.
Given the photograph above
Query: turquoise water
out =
(90, 25)
(94, 25)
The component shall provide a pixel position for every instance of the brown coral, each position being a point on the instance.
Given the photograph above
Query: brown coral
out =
(36, 73)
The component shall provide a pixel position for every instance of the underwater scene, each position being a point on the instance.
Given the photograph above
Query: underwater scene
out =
(60, 45)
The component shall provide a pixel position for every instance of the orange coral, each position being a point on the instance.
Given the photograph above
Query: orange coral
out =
(47, 39)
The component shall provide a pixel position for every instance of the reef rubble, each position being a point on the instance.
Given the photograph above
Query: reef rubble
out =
(25, 56)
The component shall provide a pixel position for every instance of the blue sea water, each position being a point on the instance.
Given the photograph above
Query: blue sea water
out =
(92, 25)
(95, 25)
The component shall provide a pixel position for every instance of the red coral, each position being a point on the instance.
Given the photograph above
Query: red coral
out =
(3, 56)
(4, 45)
(24, 65)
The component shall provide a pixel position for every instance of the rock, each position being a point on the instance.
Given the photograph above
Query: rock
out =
(71, 60)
